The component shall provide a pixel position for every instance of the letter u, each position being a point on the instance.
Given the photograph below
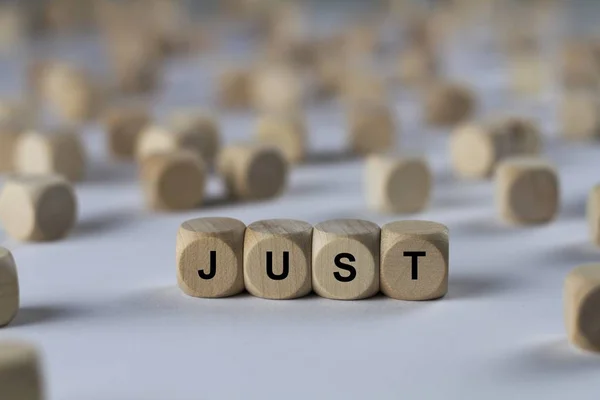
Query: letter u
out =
(286, 266)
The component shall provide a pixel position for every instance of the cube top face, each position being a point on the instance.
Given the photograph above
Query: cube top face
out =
(209, 257)
(9, 287)
(414, 260)
(345, 259)
(277, 259)
(582, 299)
(528, 190)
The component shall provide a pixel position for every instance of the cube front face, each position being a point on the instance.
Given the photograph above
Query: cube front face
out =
(277, 259)
(582, 301)
(414, 260)
(9, 287)
(345, 262)
(527, 194)
(20, 377)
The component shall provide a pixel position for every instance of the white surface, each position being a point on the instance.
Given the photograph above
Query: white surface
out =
(104, 305)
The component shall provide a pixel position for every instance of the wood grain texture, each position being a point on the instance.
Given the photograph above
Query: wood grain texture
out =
(398, 279)
(197, 131)
(278, 240)
(55, 152)
(253, 171)
(396, 184)
(123, 126)
(352, 244)
(581, 301)
(593, 215)
(196, 274)
(20, 371)
(448, 104)
(9, 287)
(477, 148)
(372, 128)
(173, 180)
(37, 207)
(286, 132)
(527, 190)
(580, 115)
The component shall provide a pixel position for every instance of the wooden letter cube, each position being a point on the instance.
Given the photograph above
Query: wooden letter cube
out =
(372, 128)
(253, 171)
(9, 288)
(593, 214)
(20, 376)
(527, 190)
(58, 152)
(198, 131)
(277, 259)
(286, 132)
(123, 126)
(210, 257)
(447, 104)
(582, 299)
(173, 180)
(345, 259)
(37, 207)
(277, 88)
(397, 184)
(414, 260)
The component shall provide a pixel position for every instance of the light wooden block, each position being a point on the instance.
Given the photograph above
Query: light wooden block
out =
(37, 207)
(123, 126)
(530, 73)
(20, 371)
(593, 214)
(286, 132)
(210, 257)
(9, 288)
(527, 190)
(414, 260)
(277, 259)
(361, 86)
(56, 152)
(580, 115)
(253, 171)
(582, 299)
(277, 88)
(580, 67)
(416, 66)
(173, 180)
(345, 259)
(372, 128)
(197, 130)
(397, 184)
(477, 148)
(9, 137)
(234, 88)
(448, 104)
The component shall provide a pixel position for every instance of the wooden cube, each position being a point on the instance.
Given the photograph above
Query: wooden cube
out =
(414, 260)
(173, 180)
(197, 130)
(56, 152)
(277, 88)
(234, 88)
(20, 371)
(253, 171)
(210, 257)
(360, 86)
(477, 148)
(417, 66)
(527, 190)
(123, 126)
(593, 214)
(397, 184)
(277, 259)
(582, 299)
(448, 104)
(580, 115)
(580, 67)
(372, 128)
(9, 137)
(286, 132)
(345, 259)
(530, 73)
(9, 288)
(37, 207)
(196, 133)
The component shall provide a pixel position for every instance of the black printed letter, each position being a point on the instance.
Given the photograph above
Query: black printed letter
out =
(286, 266)
(213, 267)
(346, 267)
(415, 261)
